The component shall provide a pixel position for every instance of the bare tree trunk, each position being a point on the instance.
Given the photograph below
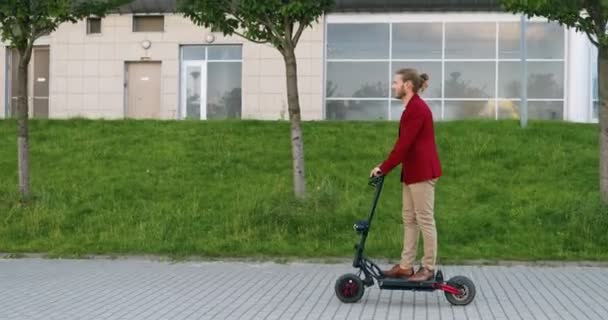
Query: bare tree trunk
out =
(603, 119)
(297, 142)
(22, 126)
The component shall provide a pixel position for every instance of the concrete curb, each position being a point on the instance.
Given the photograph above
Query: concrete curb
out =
(289, 260)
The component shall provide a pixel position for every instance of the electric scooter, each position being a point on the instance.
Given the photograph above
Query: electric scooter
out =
(349, 288)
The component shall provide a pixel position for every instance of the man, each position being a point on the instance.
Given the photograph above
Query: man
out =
(416, 151)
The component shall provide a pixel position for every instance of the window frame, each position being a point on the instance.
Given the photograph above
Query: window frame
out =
(443, 19)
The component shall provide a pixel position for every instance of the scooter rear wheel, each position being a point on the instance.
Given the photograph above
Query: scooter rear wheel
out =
(349, 288)
(467, 288)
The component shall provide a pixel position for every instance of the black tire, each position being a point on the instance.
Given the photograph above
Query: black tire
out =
(468, 291)
(349, 288)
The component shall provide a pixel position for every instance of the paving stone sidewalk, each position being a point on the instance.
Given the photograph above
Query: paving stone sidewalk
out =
(143, 289)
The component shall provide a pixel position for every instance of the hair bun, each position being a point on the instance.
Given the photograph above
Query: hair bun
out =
(424, 77)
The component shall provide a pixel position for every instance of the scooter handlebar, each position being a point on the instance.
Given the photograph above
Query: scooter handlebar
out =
(375, 180)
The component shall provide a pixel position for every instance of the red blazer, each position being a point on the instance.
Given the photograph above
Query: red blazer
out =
(415, 148)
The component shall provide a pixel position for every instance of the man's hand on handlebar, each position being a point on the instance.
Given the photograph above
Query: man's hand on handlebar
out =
(376, 172)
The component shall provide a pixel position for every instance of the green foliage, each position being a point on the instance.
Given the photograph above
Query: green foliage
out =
(278, 22)
(23, 21)
(589, 16)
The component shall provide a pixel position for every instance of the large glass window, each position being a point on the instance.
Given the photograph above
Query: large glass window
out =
(357, 84)
(470, 40)
(357, 79)
(474, 68)
(223, 90)
(464, 79)
(545, 80)
(356, 110)
(428, 38)
(358, 41)
(545, 70)
(211, 82)
(595, 101)
(543, 40)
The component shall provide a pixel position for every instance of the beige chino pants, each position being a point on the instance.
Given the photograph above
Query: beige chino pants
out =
(418, 215)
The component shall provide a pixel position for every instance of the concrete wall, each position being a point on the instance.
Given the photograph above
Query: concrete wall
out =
(87, 71)
(264, 78)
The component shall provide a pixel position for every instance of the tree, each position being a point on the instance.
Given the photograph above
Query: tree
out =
(21, 23)
(279, 23)
(589, 16)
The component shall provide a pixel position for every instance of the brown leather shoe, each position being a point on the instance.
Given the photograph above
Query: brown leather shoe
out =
(398, 272)
(423, 274)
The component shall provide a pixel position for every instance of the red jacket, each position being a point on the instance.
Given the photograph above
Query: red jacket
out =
(415, 148)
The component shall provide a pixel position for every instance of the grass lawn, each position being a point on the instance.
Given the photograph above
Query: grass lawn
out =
(224, 189)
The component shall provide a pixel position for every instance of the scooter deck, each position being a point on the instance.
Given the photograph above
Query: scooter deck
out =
(404, 284)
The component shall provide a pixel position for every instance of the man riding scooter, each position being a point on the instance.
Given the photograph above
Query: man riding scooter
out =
(416, 151)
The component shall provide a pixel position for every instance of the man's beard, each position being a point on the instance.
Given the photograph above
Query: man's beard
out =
(399, 95)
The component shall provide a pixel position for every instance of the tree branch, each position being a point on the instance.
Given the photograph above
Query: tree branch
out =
(27, 54)
(41, 33)
(249, 38)
(288, 27)
(296, 38)
(234, 14)
(243, 23)
(11, 31)
(25, 32)
(595, 42)
(38, 32)
(268, 24)
(288, 32)
(599, 23)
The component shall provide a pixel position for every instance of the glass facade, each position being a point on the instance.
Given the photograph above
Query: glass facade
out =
(595, 101)
(211, 82)
(474, 68)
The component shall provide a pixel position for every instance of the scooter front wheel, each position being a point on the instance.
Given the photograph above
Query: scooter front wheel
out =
(349, 288)
(467, 291)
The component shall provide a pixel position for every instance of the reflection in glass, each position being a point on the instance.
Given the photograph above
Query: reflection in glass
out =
(356, 110)
(455, 110)
(357, 79)
(469, 79)
(225, 52)
(193, 52)
(545, 80)
(470, 40)
(224, 90)
(357, 41)
(544, 40)
(537, 110)
(417, 40)
(193, 92)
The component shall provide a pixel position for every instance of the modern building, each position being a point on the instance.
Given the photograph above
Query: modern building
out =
(145, 61)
